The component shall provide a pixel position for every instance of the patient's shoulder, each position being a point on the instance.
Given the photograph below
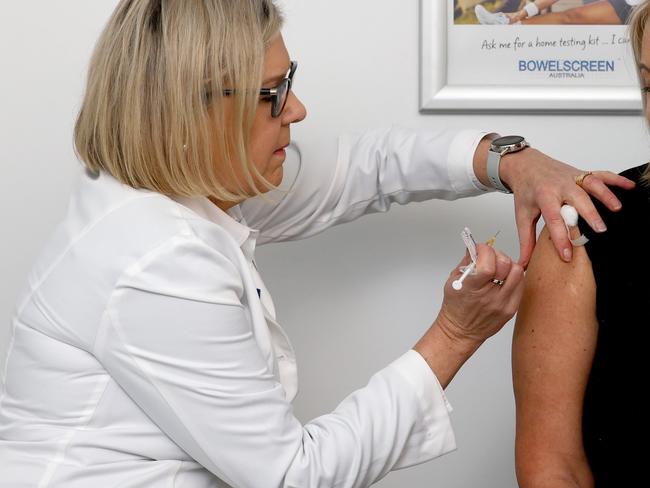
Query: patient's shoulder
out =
(639, 196)
(633, 215)
(623, 245)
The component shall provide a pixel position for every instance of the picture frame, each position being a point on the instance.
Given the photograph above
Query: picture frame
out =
(438, 94)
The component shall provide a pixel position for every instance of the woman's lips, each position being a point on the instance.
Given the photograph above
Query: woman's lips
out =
(281, 151)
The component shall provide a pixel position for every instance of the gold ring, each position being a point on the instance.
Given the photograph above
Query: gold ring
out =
(498, 282)
(581, 177)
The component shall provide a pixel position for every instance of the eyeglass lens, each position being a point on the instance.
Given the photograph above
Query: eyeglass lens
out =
(280, 99)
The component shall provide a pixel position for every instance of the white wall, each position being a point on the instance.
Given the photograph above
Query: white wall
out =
(357, 296)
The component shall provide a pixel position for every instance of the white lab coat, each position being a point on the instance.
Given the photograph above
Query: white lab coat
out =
(145, 350)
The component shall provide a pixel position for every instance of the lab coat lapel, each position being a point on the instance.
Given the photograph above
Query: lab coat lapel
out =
(285, 357)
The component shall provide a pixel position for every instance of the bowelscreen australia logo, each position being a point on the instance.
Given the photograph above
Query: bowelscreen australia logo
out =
(566, 68)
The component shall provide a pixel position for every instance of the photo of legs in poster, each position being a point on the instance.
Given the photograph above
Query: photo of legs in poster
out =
(540, 12)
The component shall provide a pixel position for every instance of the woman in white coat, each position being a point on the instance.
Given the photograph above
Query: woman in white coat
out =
(145, 350)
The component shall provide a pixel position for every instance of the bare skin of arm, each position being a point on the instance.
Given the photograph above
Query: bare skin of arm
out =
(553, 348)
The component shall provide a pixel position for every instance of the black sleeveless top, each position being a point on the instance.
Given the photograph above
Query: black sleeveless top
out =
(615, 425)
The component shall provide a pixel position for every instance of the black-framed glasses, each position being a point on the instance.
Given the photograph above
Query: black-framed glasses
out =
(278, 95)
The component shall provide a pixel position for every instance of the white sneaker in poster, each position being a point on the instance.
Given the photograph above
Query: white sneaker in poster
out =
(486, 17)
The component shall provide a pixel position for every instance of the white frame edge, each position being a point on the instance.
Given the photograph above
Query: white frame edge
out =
(437, 96)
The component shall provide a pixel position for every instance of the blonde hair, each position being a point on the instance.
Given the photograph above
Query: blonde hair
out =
(638, 21)
(153, 111)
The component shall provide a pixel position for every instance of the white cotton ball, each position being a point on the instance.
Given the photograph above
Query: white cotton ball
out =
(570, 215)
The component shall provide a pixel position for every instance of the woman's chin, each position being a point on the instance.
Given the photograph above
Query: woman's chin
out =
(275, 179)
(276, 176)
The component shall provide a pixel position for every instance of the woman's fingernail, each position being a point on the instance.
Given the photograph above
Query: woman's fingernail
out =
(567, 255)
(600, 226)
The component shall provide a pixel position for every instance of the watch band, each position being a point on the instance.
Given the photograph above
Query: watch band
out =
(493, 160)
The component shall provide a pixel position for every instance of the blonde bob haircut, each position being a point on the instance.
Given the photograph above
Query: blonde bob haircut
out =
(638, 22)
(153, 112)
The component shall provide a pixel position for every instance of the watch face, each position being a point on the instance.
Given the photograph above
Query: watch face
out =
(507, 141)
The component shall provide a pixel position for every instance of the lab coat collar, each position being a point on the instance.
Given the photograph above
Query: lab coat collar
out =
(232, 222)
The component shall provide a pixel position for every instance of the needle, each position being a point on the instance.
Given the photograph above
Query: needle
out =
(490, 241)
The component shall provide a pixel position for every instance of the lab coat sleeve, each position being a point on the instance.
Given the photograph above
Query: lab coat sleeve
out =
(177, 337)
(372, 170)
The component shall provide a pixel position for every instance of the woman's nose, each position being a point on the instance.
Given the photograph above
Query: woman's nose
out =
(294, 110)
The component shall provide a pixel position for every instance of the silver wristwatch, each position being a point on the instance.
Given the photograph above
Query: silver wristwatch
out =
(499, 147)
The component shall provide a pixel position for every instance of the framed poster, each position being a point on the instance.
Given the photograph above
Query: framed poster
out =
(479, 56)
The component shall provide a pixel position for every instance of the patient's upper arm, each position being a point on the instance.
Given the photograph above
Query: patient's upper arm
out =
(553, 348)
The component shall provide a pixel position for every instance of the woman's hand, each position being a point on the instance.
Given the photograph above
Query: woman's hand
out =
(473, 314)
(541, 185)
(482, 307)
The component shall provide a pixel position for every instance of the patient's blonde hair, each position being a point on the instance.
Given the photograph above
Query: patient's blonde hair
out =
(152, 115)
(638, 22)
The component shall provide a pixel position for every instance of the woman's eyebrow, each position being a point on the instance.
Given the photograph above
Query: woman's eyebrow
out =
(277, 78)
(643, 67)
